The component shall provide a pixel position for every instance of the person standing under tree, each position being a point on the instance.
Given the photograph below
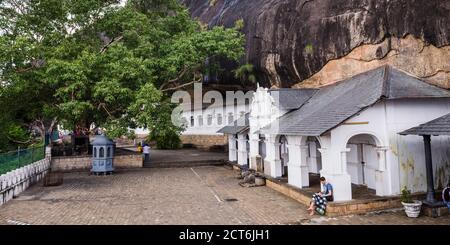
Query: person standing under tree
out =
(146, 151)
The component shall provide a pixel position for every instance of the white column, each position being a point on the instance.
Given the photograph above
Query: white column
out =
(343, 166)
(298, 171)
(313, 163)
(232, 148)
(273, 156)
(242, 149)
(381, 183)
(381, 152)
(335, 171)
(323, 152)
(304, 169)
(254, 150)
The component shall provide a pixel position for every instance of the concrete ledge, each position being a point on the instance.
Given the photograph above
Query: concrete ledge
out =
(84, 163)
(337, 208)
(205, 142)
(185, 164)
(435, 211)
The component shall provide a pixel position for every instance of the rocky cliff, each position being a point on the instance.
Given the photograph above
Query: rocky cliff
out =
(309, 43)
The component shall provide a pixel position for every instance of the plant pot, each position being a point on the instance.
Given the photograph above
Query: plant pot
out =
(412, 210)
(260, 181)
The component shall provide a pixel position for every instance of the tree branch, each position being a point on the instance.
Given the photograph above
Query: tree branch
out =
(181, 75)
(102, 105)
(18, 141)
(183, 85)
(53, 123)
(35, 63)
(114, 40)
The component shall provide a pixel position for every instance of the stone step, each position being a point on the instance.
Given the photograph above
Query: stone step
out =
(435, 211)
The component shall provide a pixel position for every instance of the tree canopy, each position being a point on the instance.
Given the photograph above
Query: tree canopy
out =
(81, 62)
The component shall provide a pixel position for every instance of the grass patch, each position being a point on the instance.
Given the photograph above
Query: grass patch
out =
(16, 159)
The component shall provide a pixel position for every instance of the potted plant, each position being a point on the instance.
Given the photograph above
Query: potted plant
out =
(412, 207)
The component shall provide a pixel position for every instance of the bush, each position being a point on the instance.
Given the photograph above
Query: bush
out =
(406, 196)
(165, 140)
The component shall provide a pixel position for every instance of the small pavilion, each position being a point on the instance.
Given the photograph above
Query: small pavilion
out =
(238, 144)
(437, 127)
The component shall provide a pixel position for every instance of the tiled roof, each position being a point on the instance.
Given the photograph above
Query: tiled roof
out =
(238, 126)
(289, 99)
(439, 126)
(333, 104)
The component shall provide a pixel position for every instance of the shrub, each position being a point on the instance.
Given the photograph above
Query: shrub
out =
(406, 196)
(165, 139)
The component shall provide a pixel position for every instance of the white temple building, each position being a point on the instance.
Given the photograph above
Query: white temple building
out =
(346, 132)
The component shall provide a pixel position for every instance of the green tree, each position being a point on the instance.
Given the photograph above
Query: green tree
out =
(84, 62)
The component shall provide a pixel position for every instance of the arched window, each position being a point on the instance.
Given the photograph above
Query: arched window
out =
(219, 119)
(95, 151)
(192, 121)
(200, 121)
(101, 152)
(108, 152)
(230, 118)
(209, 120)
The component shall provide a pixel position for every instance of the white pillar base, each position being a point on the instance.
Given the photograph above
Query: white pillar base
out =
(242, 158)
(232, 151)
(298, 176)
(275, 168)
(380, 183)
(232, 155)
(342, 187)
(254, 151)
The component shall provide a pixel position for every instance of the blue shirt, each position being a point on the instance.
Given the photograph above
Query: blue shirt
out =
(327, 189)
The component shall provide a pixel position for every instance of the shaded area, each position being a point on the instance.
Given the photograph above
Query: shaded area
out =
(359, 192)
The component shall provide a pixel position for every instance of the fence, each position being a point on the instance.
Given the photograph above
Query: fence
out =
(18, 180)
(21, 157)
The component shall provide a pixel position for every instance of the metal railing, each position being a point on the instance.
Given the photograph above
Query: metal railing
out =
(21, 157)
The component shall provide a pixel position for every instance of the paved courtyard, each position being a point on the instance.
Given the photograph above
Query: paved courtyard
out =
(198, 195)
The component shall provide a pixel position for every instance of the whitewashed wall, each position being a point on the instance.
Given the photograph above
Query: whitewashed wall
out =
(15, 182)
(208, 120)
(405, 161)
(212, 119)
(408, 151)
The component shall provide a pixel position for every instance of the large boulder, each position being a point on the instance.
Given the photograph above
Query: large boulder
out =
(291, 41)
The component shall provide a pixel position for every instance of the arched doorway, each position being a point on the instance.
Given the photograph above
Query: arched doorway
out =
(314, 158)
(363, 160)
(284, 155)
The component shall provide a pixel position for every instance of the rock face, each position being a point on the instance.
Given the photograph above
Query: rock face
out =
(308, 43)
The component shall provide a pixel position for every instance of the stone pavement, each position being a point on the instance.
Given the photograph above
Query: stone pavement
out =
(195, 195)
